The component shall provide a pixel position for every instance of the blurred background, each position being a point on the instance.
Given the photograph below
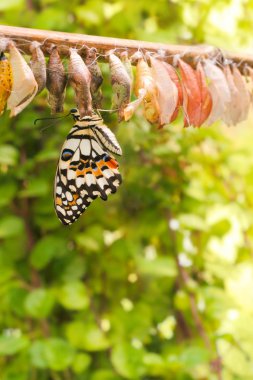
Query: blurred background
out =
(156, 283)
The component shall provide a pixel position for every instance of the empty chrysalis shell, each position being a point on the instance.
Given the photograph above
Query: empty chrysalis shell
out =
(121, 85)
(219, 90)
(96, 78)
(4, 44)
(5, 81)
(38, 65)
(146, 82)
(167, 92)
(56, 81)
(24, 86)
(244, 100)
(80, 80)
(127, 63)
(171, 71)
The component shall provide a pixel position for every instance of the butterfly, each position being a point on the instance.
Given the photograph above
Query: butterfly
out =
(85, 169)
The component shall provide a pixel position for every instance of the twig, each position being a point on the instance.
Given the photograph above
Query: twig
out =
(24, 36)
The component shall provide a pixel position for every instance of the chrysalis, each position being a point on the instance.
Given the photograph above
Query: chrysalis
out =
(5, 81)
(132, 107)
(24, 86)
(38, 65)
(191, 92)
(167, 92)
(244, 94)
(121, 85)
(127, 63)
(80, 80)
(4, 42)
(206, 102)
(96, 78)
(56, 81)
(231, 114)
(220, 92)
(146, 82)
(175, 79)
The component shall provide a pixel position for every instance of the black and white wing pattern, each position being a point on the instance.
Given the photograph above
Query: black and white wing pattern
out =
(85, 169)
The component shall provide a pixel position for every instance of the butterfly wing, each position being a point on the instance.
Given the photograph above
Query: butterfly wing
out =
(107, 139)
(85, 171)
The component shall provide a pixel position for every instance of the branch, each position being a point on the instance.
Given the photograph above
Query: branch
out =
(24, 36)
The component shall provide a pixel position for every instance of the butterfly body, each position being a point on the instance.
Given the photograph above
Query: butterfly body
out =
(86, 170)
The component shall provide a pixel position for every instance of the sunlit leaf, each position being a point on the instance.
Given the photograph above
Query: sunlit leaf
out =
(87, 336)
(128, 361)
(46, 249)
(39, 303)
(11, 344)
(74, 296)
(11, 226)
(8, 155)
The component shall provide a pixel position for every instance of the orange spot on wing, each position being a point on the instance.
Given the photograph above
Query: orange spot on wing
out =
(58, 201)
(73, 203)
(83, 172)
(97, 172)
(112, 164)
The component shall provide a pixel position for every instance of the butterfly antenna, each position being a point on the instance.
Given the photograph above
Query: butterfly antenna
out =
(51, 118)
(109, 111)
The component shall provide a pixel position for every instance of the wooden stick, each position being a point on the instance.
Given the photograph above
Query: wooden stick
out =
(23, 37)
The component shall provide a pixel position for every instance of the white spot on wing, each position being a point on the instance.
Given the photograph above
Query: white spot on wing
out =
(69, 196)
(107, 173)
(102, 182)
(71, 174)
(85, 147)
(79, 181)
(90, 179)
(61, 210)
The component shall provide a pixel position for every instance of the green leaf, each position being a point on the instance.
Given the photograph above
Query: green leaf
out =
(86, 336)
(92, 240)
(58, 354)
(39, 303)
(128, 361)
(37, 354)
(7, 192)
(74, 296)
(46, 249)
(195, 355)
(10, 345)
(8, 154)
(158, 267)
(154, 363)
(81, 362)
(104, 374)
(36, 187)
(53, 353)
(47, 155)
(11, 226)
(16, 297)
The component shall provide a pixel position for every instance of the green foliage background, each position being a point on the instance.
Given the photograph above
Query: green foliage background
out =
(157, 282)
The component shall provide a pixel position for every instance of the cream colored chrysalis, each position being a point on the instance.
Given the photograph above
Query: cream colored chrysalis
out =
(24, 86)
